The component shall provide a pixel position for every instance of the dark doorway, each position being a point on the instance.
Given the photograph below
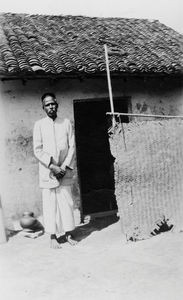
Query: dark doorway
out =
(94, 159)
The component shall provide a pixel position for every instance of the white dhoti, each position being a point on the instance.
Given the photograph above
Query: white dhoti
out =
(58, 214)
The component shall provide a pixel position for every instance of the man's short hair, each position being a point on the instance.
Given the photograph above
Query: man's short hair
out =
(48, 94)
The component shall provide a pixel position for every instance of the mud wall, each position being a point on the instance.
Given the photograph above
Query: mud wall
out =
(20, 107)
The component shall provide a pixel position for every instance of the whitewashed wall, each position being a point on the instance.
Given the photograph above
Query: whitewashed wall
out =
(20, 107)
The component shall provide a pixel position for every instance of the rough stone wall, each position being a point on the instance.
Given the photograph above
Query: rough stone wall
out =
(20, 107)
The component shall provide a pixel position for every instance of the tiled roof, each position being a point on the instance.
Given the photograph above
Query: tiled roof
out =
(74, 44)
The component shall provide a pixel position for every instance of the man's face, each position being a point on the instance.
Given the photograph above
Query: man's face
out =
(50, 107)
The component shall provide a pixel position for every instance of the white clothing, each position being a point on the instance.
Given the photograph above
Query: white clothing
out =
(53, 139)
(58, 210)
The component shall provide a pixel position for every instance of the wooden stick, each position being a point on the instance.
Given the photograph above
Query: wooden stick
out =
(109, 83)
(144, 115)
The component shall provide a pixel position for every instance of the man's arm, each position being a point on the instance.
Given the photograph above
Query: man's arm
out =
(41, 155)
(69, 160)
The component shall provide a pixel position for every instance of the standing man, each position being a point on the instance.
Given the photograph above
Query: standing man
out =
(53, 142)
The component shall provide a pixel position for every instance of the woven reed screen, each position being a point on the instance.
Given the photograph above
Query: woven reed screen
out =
(148, 175)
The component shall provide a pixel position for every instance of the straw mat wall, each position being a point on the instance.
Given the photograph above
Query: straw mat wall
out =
(148, 175)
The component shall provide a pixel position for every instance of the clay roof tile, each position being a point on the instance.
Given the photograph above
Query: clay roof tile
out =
(74, 44)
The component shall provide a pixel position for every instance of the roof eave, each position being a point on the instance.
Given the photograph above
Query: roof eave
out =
(80, 75)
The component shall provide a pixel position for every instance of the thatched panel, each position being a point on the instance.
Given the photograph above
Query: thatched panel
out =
(148, 175)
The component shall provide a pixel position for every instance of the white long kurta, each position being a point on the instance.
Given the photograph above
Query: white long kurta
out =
(55, 139)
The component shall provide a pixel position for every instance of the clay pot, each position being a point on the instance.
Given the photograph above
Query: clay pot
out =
(28, 221)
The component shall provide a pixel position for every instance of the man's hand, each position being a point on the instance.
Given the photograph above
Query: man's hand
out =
(61, 174)
(57, 171)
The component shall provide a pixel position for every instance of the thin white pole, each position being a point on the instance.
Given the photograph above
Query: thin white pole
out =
(145, 115)
(109, 84)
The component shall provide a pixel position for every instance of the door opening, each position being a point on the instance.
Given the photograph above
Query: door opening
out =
(94, 159)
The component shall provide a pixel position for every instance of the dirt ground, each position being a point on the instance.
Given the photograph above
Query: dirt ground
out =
(100, 267)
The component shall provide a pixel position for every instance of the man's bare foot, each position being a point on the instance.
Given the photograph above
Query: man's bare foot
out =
(70, 239)
(54, 243)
